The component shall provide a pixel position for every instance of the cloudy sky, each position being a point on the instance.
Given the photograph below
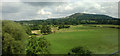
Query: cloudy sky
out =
(36, 9)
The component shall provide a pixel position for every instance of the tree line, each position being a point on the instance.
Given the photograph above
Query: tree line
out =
(75, 19)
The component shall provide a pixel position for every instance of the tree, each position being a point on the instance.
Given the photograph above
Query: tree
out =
(37, 46)
(28, 30)
(45, 29)
(13, 38)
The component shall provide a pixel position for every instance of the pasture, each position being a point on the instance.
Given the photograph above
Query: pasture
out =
(99, 40)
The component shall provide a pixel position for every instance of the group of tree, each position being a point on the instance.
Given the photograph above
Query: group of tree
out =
(35, 27)
(15, 40)
(44, 29)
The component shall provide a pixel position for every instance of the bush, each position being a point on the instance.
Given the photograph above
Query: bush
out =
(63, 26)
(80, 51)
(37, 46)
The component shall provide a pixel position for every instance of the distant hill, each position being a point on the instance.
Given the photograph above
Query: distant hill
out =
(75, 19)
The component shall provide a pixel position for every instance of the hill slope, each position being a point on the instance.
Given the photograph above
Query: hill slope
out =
(89, 16)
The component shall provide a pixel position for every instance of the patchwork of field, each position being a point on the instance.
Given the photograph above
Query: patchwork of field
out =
(99, 40)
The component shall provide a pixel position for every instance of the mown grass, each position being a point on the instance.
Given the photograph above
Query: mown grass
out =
(97, 39)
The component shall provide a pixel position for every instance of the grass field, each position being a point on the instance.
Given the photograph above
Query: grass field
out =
(99, 40)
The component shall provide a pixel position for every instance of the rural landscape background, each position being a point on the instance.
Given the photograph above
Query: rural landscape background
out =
(60, 28)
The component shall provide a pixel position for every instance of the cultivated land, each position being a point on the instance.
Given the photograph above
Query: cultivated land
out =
(99, 40)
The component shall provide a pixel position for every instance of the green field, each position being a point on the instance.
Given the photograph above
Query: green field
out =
(99, 40)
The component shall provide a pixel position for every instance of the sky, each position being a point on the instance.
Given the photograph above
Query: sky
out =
(44, 9)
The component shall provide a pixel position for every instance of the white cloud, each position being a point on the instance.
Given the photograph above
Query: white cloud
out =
(62, 8)
(43, 12)
(68, 8)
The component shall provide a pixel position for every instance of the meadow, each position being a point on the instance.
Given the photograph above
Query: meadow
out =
(99, 40)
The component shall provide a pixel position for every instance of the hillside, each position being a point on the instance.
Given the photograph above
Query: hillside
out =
(90, 16)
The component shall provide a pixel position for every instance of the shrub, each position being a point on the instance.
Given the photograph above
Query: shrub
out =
(37, 46)
(63, 26)
(80, 51)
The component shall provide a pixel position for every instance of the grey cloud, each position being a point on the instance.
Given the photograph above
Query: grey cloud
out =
(11, 7)
(18, 11)
(45, 4)
(10, 10)
(44, 0)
